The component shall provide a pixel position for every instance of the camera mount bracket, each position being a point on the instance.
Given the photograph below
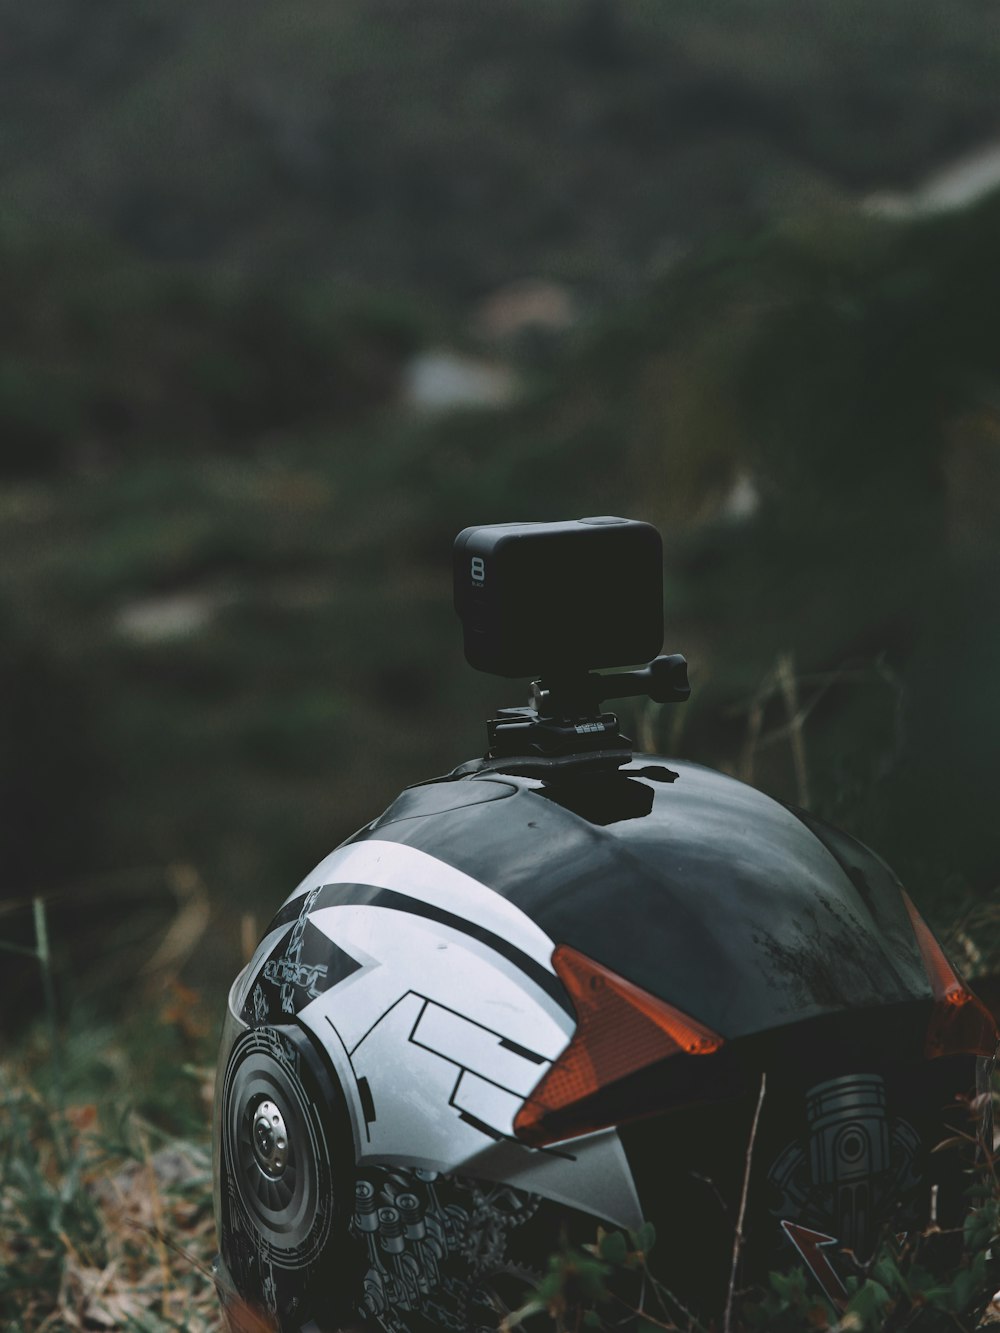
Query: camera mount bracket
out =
(563, 725)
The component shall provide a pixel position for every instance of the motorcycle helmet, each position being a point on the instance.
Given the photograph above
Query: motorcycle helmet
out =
(566, 987)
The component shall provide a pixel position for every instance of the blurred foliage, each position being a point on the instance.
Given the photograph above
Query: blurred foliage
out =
(105, 358)
(224, 587)
(584, 139)
(249, 635)
(847, 367)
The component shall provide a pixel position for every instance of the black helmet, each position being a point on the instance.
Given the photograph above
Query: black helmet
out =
(552, 991)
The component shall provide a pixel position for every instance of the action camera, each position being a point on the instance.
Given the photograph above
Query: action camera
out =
(555, 598)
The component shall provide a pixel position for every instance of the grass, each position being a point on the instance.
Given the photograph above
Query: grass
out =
(105, 1168)
(900, 1287)
(99, 1233)
(106, 1187)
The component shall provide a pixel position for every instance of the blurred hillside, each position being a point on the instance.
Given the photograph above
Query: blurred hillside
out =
(452, 148)
(225, 536)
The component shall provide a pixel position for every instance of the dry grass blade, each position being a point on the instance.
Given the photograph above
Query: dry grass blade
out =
(796, 737)
(243, 1318)
(738, 1237)
(186, 929)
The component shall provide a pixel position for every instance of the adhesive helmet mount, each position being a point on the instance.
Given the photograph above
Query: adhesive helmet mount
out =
(563, 727)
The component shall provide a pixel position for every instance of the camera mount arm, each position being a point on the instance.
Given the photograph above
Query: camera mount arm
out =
(664, 680)
(563, 725)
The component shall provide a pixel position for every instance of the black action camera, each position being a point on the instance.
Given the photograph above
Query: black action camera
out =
(553, 599)
(561, 601)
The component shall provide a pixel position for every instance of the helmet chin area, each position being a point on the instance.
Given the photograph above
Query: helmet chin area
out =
(842, 1160)
(449, 1252)
(418, 1251)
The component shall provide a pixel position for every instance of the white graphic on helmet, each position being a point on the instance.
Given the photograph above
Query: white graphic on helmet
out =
(437, 1032)
(422, 877)
(442, 1018)
(436, 1041)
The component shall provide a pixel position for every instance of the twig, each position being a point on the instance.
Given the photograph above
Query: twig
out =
(796, 739)
(22, 949)
(650, 1319)
(158, 1234)
(249, 935)
(782, 681)
(663, 1295)
(190, 922)
(738, 1238)
(157, 1229)
(55, 1054)
(647, 727)
(755, 724)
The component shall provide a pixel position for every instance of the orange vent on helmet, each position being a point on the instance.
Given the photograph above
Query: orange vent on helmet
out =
(960, 1023)
(620, 1030)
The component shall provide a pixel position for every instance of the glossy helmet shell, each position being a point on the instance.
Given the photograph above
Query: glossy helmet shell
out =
(404, 1006)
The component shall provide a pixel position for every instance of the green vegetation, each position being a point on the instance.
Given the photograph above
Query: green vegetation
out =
(896, 1291)
(232, 652)
(105, 1172)
(105, 1200)
(108, 360)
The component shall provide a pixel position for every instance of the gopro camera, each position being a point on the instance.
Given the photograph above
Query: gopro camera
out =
(555, 599)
